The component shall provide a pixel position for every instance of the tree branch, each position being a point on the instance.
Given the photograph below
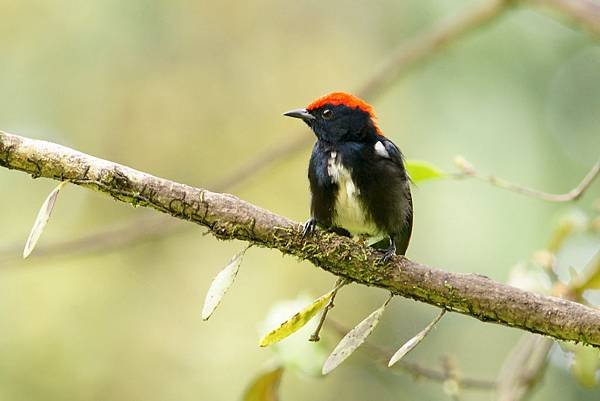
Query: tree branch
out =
(228, 217)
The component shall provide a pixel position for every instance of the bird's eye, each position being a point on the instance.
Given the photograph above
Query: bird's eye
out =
(327, 114)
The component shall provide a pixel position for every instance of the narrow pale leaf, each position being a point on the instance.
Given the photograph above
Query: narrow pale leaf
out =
(419, 170)
(352, 340)
(296, 322)
(41, 220)
(295, 352)
(265, 387)
(413, 342)
(220, 285)
(406, 348)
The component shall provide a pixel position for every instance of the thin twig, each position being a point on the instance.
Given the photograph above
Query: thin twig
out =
(524, 367)
(452, 383)
(467, 170)
(402, 59)
(340, 282)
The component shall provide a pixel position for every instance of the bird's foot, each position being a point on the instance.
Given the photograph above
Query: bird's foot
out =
(389, 252)
(309, 227)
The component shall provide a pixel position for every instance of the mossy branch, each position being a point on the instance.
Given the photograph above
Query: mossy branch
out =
(228, 217)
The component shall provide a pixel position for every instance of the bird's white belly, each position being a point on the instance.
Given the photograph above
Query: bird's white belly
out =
(348, 210)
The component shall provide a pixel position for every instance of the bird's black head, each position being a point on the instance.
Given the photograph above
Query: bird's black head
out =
(339, 117)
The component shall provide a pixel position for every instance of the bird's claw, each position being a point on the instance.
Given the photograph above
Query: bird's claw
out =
(389, 252)
(309, 227)
(387, 255)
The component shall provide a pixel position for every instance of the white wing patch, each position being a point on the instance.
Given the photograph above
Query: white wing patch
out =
(381, 150)
(349, 212)
(332, 167)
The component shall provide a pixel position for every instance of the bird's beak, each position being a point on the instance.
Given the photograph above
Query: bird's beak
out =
(300, 113)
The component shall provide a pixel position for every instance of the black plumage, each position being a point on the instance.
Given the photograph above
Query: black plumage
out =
(358, 182)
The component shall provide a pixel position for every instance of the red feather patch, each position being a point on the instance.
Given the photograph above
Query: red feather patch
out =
(347, 99)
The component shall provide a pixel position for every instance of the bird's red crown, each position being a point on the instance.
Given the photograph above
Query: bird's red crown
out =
(346, 99)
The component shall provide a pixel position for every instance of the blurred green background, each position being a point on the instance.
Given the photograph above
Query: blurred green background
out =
(193, 90)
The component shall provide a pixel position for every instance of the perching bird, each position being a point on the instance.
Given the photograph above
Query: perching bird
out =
(358, 182)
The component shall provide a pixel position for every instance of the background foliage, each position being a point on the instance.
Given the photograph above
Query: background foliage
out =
(192, 90)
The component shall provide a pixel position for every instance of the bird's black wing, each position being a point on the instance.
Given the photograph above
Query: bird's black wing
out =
(323, 190)
(402, 237)
(394, 153)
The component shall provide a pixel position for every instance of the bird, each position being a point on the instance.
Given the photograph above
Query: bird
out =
(358, 181)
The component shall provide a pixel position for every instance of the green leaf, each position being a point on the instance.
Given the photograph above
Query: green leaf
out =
(41, 220)
(413, 342)
(590, 279)
(593, 283)
(585, 365)
(295, 353)
(353, 339)
(296, 322)
(574, 221)
(419, 171)
(221, 284)
(265, 387)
